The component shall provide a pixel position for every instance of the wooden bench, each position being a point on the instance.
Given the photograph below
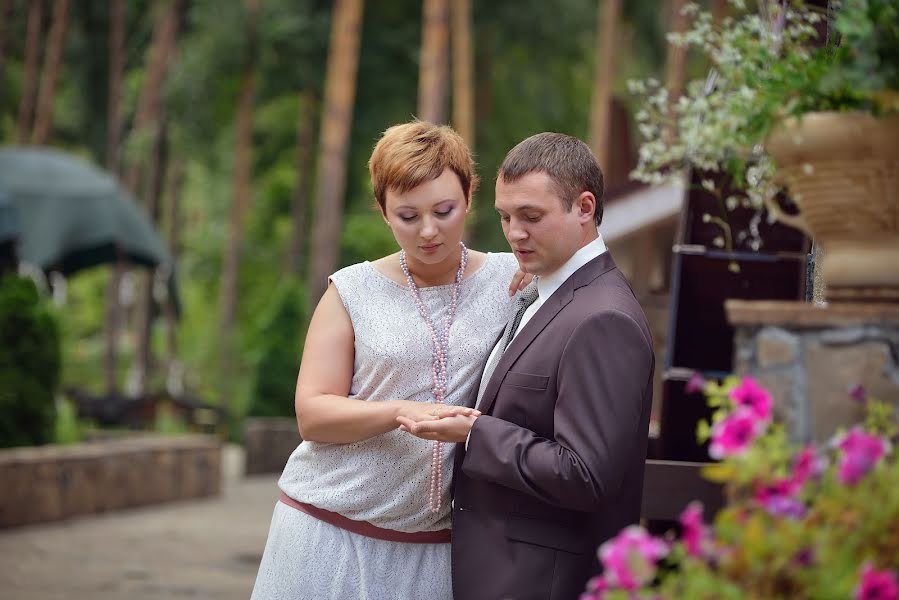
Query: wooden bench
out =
(669, 486)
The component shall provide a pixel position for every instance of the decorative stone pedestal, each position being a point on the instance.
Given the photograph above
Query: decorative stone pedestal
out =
(811, 356)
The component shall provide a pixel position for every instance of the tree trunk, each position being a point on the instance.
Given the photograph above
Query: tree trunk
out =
(676, 67)
(463, 76)
(116, 74)
(434, 65)
(608, 14)
(162, 48)
(173, 218)
(43, 121)
(720, 10)
(29, 77)
(242, 167)
(143, 355)
(5, 14)
(299, 205)
(340, 93)
(113, 318)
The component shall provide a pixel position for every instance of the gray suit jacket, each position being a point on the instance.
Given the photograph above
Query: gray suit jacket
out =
(554, 467)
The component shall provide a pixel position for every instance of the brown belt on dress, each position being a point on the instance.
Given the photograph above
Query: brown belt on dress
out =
(365, 528)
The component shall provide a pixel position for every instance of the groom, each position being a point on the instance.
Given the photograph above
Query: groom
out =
(553, 466)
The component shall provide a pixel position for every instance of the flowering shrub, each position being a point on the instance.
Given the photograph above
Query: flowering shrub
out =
(764, 68)
(800, 521)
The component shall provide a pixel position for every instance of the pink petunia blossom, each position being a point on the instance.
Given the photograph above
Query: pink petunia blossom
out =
(808, 465)
(858, 393)
(753, 396)
(695, 384)
(785, 506)
(735, 433)
(861, 452)
(629, 559)
(779, 498)
(696, 535)
(596, 589)
(877, 585)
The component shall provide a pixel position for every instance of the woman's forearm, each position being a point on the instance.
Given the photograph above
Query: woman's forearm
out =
(340, 420)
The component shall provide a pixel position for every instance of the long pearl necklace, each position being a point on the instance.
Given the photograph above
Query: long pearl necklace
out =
(440, 347)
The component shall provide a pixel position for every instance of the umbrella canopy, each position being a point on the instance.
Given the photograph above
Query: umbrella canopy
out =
(72, 215)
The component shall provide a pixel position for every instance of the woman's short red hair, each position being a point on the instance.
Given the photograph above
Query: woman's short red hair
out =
(410, 154)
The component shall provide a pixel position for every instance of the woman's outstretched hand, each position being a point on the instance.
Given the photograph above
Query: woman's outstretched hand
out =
(450, 424)
(519, 281)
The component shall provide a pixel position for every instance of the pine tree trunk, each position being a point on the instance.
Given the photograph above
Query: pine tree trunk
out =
(113, 319)
(463, 73)
(337, 118)
(173, 219)
(5, 14)
(149, 104)
(299, 204)
(43, 121)
(720, 10)
(676, 63)
(604, 78)
(32, 62)
(434, 66)
(242, 166)
(116, 75)
(143, 355)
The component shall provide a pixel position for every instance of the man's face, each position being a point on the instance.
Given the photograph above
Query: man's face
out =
(540, 231)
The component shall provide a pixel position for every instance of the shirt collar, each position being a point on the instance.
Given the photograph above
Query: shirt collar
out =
(548, 284)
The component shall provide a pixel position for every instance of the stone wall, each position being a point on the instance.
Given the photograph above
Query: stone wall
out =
(48, 483)
(810, 357)
(269, 442)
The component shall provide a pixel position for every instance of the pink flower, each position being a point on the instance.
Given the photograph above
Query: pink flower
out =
(808, 465)
(695, 384)
(877, 585)
(861, 452)
(753, 396)
(778, 498)
(785, 506)
(696, 536)
(629, 559)
(596, 589)
(734, 434)
(858, 393)
(782, 488)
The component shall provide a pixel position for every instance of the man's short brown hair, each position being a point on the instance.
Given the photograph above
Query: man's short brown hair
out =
(571, 167)
(410, 154)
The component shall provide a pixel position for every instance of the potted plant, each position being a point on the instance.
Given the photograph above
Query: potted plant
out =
(782, 108)
(800, 522)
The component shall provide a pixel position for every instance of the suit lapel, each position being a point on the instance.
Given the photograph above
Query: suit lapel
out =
(544, 315)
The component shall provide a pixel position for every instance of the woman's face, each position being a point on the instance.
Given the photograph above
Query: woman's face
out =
(428, 221)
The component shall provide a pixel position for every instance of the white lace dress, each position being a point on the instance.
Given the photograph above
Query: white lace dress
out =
(383, 480)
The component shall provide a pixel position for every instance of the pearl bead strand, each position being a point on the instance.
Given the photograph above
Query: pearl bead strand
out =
(440, 347)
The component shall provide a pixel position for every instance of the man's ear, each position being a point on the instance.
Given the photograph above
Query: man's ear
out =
(585, 206)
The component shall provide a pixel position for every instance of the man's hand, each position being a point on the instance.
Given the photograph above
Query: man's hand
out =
(416, 412)
(447, 428)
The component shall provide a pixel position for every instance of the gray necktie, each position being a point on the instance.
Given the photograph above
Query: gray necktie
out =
(525, 299)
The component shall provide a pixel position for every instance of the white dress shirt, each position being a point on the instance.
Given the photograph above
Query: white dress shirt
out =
(548, 284)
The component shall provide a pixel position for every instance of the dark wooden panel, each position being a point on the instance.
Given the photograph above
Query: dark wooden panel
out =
(669, 486)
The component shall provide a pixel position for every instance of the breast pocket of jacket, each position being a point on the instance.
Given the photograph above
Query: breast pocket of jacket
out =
(523, 399)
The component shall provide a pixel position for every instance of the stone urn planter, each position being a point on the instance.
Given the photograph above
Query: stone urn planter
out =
(842, 171)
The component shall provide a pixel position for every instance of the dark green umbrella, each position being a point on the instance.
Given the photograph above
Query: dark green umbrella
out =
(72, 215)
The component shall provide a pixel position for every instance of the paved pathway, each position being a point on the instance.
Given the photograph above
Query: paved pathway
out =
(198, 549)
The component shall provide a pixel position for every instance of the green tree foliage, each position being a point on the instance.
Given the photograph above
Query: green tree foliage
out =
(29, 364)
(533, 69)
(282, 339)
